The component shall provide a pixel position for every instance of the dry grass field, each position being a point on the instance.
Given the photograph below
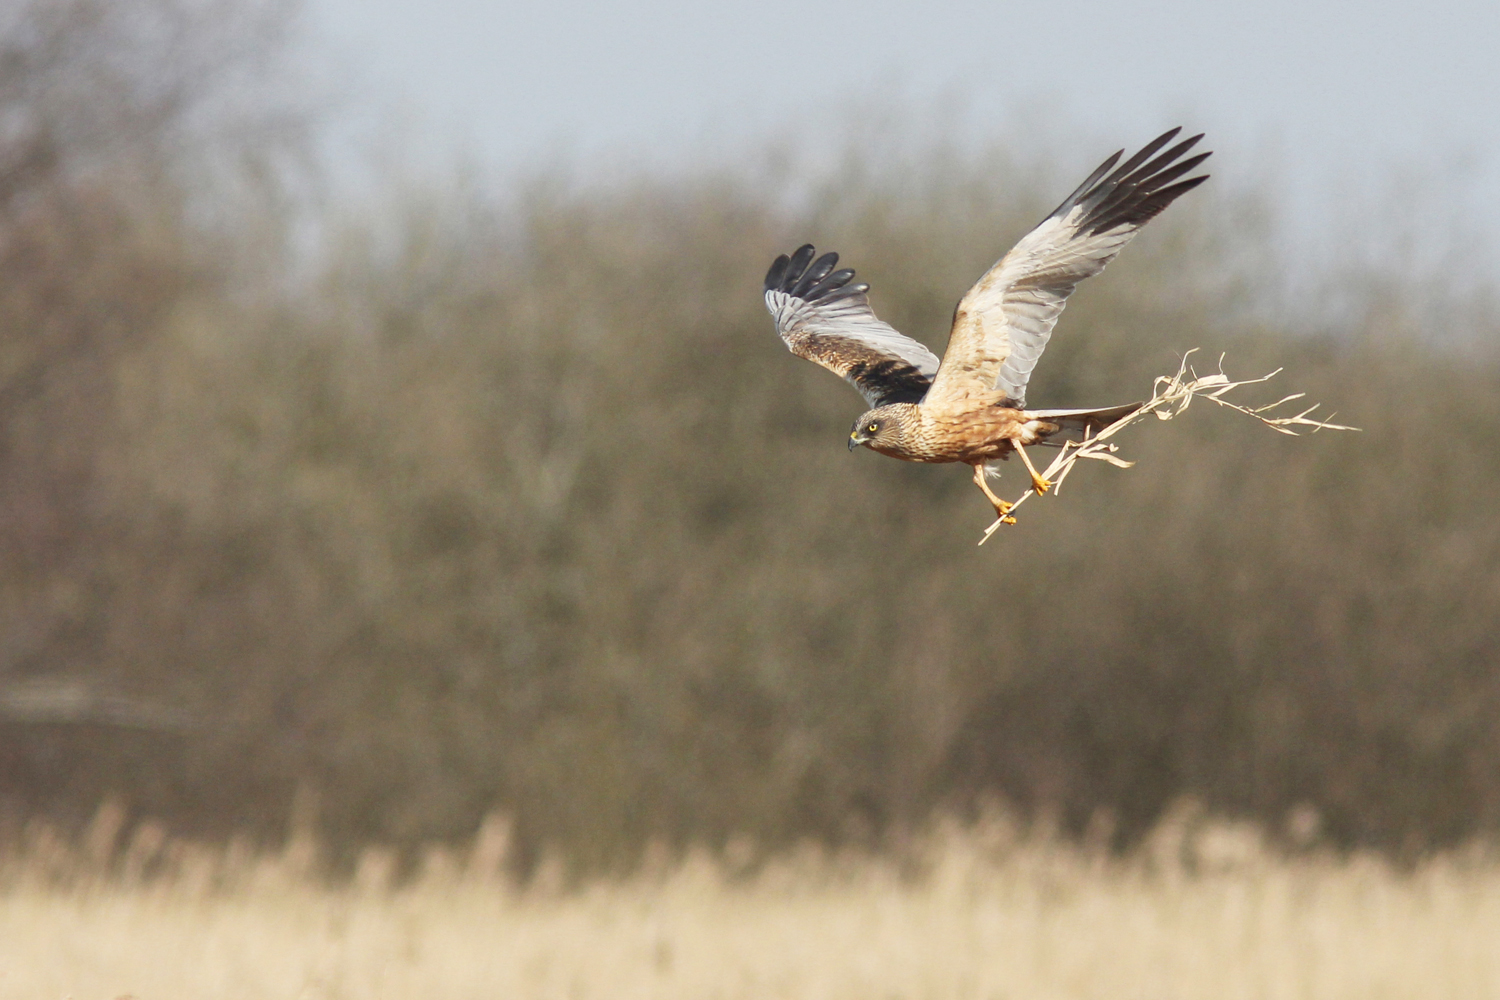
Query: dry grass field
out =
(1202, 910)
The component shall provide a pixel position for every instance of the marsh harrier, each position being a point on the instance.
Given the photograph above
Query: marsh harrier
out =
(971, 408)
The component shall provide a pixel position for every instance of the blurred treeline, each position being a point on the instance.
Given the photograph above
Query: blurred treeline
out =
(484, 501)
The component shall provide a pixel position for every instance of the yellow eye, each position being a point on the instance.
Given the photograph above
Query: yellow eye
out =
(873, 428)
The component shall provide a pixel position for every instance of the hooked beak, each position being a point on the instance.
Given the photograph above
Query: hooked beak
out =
(855, 440)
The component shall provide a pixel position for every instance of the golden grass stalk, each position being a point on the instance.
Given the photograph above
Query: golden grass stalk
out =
(1204, 908)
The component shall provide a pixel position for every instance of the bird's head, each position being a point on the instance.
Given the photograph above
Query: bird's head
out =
(879, 429)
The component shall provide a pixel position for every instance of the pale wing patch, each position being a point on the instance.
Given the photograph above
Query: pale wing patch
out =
(827, 320)
(1003, 323)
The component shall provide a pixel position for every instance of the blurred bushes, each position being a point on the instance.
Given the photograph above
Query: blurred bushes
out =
(520, 504)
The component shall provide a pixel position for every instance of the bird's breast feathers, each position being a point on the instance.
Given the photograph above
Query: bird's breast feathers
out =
(959, 434)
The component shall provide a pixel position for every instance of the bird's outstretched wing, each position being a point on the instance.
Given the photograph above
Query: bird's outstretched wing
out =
(1001, 326)
(824, 318)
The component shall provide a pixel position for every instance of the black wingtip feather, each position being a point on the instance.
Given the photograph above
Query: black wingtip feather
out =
(1088, 182)
(1137, 190)
(829, 284)
(786, 270)
(1139, 211)
(845, 292)
(819, 270)
(1144, 181)
(810, 280)
(1146, 152)
(777, 272)
(1167, 176)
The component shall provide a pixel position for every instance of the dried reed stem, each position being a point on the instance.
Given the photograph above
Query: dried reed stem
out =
(1171, 395)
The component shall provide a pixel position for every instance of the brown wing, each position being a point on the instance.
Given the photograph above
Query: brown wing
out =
(1002, 324)
(827, 320)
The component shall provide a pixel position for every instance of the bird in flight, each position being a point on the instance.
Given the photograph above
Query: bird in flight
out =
(971, 407)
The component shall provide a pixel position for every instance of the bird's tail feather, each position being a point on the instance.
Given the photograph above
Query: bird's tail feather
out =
(1081, 420)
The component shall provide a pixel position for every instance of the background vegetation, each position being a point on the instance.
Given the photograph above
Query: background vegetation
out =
(513, 501)
(1201, 908)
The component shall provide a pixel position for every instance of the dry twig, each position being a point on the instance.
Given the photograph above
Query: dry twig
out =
(1171, 395)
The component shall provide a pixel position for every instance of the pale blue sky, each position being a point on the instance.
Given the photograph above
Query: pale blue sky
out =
(1329, 102)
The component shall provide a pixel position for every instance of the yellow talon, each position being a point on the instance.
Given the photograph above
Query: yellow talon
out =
(1002, 507)
(1037, 482)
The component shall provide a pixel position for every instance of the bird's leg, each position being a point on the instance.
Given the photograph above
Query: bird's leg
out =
(1037, 482)
(1002, 509)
